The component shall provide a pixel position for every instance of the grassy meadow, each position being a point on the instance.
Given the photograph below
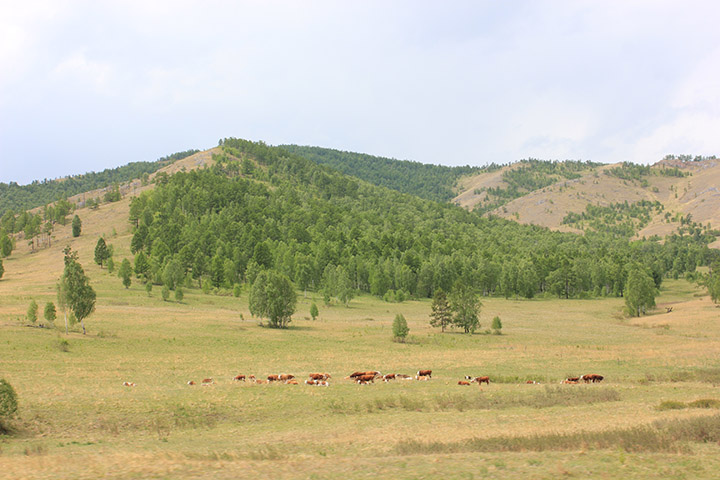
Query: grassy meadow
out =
(76, 420)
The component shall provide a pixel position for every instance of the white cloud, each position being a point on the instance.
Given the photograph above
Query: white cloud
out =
(81, 71)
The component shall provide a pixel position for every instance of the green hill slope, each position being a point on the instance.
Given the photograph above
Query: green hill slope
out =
(433, 182)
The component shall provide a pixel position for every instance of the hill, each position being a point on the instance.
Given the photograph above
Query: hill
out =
(631, 200)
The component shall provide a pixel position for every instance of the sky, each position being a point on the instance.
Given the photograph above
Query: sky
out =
(87, 85)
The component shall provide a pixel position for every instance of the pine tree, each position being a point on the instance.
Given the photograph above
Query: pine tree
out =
(50, 313)
(125, 272)
(32, 311)
(400, 328)
(101, 252)
(441, 315)
(314, 311)
(76, 226)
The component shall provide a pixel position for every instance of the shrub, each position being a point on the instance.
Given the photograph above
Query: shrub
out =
(179, 294)
(8, 403)
(32, 311)
(400, 328)
(165, 293)
(496, 325)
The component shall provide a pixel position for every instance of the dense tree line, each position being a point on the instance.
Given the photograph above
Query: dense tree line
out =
(265, 209)
(433, 182)
(23, 197)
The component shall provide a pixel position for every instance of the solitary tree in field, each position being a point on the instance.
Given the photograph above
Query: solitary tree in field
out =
(50, 313)
(8, 403)
(76, 226)
(74, 290)
(125, 272)
(273, 296)
(441, 315)
(400, 328)
(466, 305)
(314, 311)
(639, 292)
(101, 252)
(32, 311)
(496, 325)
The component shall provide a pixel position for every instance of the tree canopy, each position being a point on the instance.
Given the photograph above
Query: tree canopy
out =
(74, 290)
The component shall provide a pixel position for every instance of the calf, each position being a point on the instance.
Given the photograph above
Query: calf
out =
(422, 377)
(463, 382)
(424, 373)
(239, 378)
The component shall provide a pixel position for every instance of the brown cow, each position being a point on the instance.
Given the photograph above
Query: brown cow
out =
(129, 384)
(480, 380)
(291, 382)
(273, 378)
(463, 382)
(207, 381)
(388, 376)
(311, 382)
(251, 378)
(403, 376)
(319, 376)
(592, 377)
(532, 382)
(366, 378)
(239, 378)
(422, 377)
(191, 382)
(424, 373)
(569, 382)
(573, 379)
(285, 377)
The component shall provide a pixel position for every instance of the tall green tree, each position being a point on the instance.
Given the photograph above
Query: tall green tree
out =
(314, 311)
(101, 252)
(273, 296)
(466, 305)
(125, 272)
(441, 315)
(76, 226)
(142, 266)
(639, 291)
(75, 289)
(5, 245)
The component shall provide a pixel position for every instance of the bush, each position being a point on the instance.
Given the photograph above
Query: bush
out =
(32, 311)
(148, 287)
(8, 403)
(179, 294)
(400, 328)
(165, 293)
(496, 325)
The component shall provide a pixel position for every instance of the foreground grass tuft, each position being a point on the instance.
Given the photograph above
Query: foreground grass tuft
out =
(666, 436)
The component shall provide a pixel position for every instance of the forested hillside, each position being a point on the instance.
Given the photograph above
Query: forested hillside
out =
(433, 182)
(262, 207)
(22, 197)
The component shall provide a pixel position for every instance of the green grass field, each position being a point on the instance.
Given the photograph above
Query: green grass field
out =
(76, 420)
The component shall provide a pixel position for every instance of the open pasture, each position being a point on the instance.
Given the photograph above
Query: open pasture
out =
(77, 420)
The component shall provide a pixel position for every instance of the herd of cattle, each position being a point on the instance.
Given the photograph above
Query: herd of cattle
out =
(366, 377)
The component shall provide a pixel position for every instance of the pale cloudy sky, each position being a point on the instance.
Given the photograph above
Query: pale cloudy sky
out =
(87, 85)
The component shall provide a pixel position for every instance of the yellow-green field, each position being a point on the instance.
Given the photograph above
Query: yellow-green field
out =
(76, 420)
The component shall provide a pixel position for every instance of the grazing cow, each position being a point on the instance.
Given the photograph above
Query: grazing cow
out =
(285, 377)
(291, 382)
(239, 378)
(251, 378)
(319, 376)
(191, 382)
(592, 377)
(322, 383)
(388, 376)
(573, 379)
(273, 378)
(207, 381)
(128, 384)
(464, 382)
(480, 380)
(366, 378)
(311, 382)
(424, 373)
(261, 381)
(422, 377)
(569, 382)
